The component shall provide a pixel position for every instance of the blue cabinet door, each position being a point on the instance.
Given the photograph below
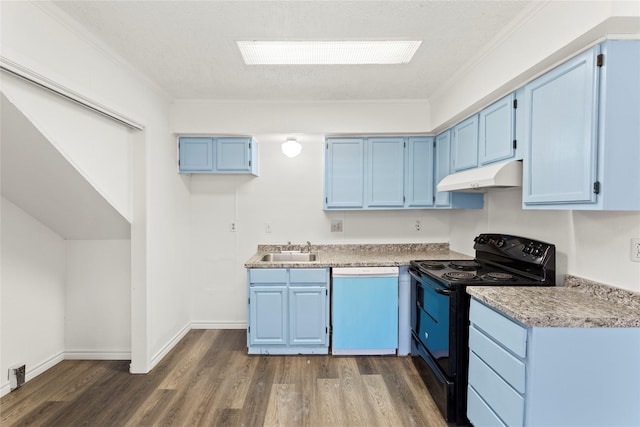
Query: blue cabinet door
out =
(344, 173)
(419, 180)
(497, 131)
(442, 166)
(464, 144)
(268, 314)
(561, 135)
(232, 155)
(196, 154)
(307, 315)
(384, 178)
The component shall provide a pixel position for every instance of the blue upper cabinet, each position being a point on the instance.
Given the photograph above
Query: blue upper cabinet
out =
(442, 168)
(218, 155)
(581, 132)
(561, 135)
(196, 154)
(496, 139)
(419, 177)
(233, 155)
(344, 173)
(464, 144)
(384, 174)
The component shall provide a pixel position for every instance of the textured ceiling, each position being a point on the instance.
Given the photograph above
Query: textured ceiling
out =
(188, 47)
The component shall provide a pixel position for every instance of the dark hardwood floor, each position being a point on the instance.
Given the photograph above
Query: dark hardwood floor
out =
(209, 380)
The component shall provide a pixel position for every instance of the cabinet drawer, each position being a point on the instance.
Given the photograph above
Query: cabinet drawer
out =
(308, 275)
(503, 399)
(268, 275)
(479, 413)
(511, 369)
(500, 328)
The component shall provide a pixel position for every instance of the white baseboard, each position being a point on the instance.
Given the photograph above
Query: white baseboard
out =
(32, 372)
(169, 346)
(218, 325)
(96, 355)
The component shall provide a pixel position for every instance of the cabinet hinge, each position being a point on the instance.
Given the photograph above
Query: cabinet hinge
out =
(515, 104)
(248, 329)
(327, 145)
(515, 144)
(326, 200)
(600, 60)
(249, 146)
(404, 144)
(249, 162)
(434, 199)
(596, 187)
(434, 143)
(248, 300)
(326, 292)
(403, 199)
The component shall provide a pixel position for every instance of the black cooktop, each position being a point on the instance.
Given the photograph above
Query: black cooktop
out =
(466, 272)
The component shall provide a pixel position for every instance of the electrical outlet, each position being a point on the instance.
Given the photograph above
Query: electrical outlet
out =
(233, 227)
(16, 376)
(267, 227)
(418, 225)
(336, 225)
(635, 249)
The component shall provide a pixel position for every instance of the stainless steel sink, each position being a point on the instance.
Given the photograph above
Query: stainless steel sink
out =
(289, 257)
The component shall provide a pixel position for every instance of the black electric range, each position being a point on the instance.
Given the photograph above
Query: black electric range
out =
(440, 308)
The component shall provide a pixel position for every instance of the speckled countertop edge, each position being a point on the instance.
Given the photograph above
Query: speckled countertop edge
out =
(357, 255)
(564, 306)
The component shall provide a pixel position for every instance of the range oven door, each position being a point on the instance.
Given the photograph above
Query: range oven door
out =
(433, 320)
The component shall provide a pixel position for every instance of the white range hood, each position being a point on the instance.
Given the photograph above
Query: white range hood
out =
(508, 174)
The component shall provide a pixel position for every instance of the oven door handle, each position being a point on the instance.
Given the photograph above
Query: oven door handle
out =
(445, 292)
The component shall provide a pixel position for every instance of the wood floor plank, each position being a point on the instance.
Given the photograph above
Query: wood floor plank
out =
(356, 401)
(283, 408)
(257, 399)
(383, 406)
(189, 362)
(332, 410)
(208, 379)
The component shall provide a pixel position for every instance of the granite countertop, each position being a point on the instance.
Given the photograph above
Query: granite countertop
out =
(357, 255)
(579, 303)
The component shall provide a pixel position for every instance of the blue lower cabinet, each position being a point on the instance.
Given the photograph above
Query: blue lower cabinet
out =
(288, 311)
(548, 376)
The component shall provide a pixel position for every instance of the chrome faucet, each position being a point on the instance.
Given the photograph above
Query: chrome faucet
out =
(308, 246)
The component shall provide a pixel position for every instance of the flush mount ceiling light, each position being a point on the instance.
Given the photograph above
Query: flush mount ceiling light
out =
(264, 52)
(291, 148)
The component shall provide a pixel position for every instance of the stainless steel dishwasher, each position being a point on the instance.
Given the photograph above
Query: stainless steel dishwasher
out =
(365, 310)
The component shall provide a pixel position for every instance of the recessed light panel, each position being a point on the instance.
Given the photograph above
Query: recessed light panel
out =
(327, 52)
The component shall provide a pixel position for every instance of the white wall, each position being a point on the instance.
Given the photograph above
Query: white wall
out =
(593, 245)
(38, 36)
(287, 195)
(549, 32)
(97, 147)
(33, 294)
(98, 299)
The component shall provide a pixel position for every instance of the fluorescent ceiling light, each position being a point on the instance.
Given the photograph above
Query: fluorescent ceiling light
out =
(327, 52)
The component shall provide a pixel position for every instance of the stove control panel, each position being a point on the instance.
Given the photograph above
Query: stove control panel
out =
(513, 247)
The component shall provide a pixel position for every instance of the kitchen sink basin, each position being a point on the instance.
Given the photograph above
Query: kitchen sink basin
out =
(289, 257)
